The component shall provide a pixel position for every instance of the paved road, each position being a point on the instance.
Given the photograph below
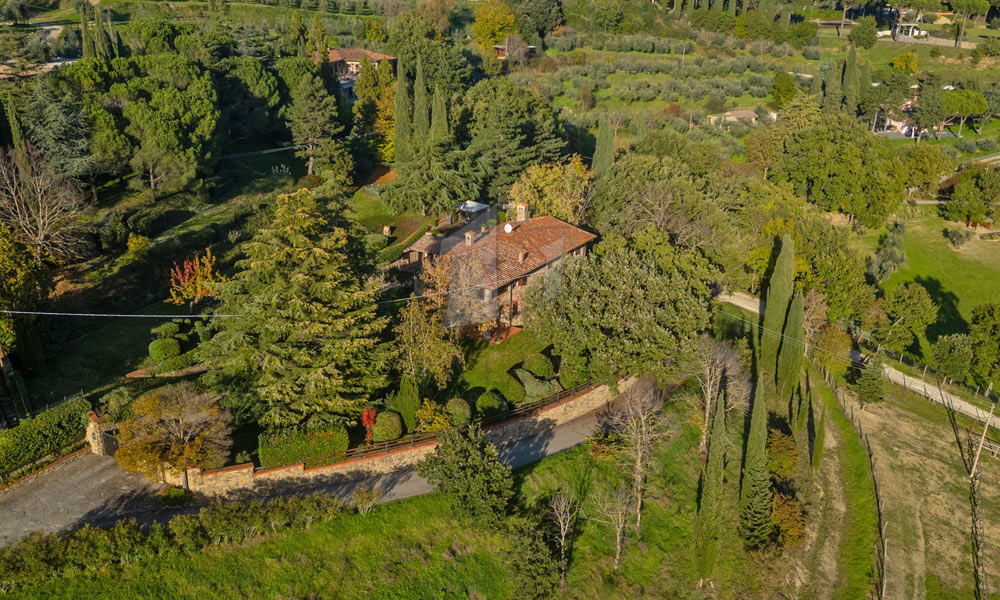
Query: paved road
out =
(92, 489)
(928, 390)
(85, 488)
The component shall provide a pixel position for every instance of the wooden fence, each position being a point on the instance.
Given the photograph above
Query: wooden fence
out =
(883, 543)
(416, 439)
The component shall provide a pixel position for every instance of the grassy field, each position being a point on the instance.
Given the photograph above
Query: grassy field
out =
(488, 366)
(409, 549)
(958, 279)
(923, 478)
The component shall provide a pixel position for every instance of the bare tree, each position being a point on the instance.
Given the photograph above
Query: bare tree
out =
(41, 209)
(716, 365)
(365, 499)
(638, 420)
(563, 510)
(611, 508)
(814, 316)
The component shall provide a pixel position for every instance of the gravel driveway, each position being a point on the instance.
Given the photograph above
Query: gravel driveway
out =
(84, 489)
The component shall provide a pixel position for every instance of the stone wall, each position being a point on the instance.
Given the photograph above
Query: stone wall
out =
(245, 479)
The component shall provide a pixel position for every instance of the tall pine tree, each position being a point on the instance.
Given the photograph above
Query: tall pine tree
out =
(439, 118)
(710, 507)
(402, 133)
(421, 108)
(604, 151)
(851, 82)
(305, 350)
(779, 293)
(792, 352)
(312, 118)
(756, 525)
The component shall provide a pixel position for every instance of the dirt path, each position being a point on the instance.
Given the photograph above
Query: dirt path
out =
(923, 479)
(826, 560)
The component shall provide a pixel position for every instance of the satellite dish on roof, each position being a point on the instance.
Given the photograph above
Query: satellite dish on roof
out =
(507, 228)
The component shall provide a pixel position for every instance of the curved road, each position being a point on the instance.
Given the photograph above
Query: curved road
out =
(928, 390)
(91, 489)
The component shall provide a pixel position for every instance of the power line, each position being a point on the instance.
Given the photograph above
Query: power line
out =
(115, 316)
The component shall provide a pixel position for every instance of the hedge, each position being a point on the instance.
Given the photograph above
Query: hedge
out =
(39, 558)
(539, 365)
(458, 411)
(535, 389)
(164, 348)
(388, 427)
(390, 254)
(37, 437)
(290, 447)
(490, 403)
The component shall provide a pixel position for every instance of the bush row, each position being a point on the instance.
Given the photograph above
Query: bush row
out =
(39, 558)
(290, 447)
(37, 437)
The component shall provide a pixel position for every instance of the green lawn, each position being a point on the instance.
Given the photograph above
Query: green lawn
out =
(488, 366)
(958, 279)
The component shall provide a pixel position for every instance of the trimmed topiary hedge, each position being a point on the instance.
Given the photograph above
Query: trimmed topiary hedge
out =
(388, 427)
(37, 437)
(290, 447)
(490, 403)
(535, 389)
(164, 348)
(539, 365)
(458, 411)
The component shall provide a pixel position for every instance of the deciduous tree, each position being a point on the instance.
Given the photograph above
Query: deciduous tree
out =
(23, 285)
(953, 356)
(195, 280)
(557, 189)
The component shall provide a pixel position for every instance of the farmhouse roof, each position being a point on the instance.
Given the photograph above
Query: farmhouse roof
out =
(742, 114)
(428, 243)
(499, 257)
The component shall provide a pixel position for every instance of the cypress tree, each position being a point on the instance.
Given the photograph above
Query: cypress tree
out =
(421, 109)
(792, 351)
(100, 37)
(439, 118)
(864, 81)
(731, 7)
(710, 508)
(641, 130)
(779, 293)
(816, 87)
(402, 132)
(833, 97)
(851, 82)
(716, 6)
(755, 488)
(86, 37)
(406, 402)
(604, 151)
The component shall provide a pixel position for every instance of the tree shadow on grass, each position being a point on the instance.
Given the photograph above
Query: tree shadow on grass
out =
(949, 319)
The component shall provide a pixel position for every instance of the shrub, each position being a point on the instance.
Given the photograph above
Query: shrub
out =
(539, 365)
(789, 520)
(291, 447)
(167, 330)
(113, 232)
(782, 456)
(37, 437)
(162, 349)
(489, 403)
(459, 411)
(387, 255)
(967, 146)
(174, 496)
(572, 372)
(535, 389)
(432, 417)
(117, 404)
(810, 53)
(138, 245)
(512, 390)
(388, 427)
(376, 241)
(957, 235)
(986, 144)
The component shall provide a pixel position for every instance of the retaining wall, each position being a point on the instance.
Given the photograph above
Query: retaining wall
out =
(247, 479)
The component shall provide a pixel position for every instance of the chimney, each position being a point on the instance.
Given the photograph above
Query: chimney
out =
(468, 238)
(523, 256)
(522, 211)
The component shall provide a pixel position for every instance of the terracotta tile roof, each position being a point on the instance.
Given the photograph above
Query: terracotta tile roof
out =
(429, 243)
(499, 258)
(355, 55)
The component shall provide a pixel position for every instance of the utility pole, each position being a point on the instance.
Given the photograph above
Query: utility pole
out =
(978, 532)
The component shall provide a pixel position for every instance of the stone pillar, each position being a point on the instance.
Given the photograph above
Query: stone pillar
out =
(99, 435)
